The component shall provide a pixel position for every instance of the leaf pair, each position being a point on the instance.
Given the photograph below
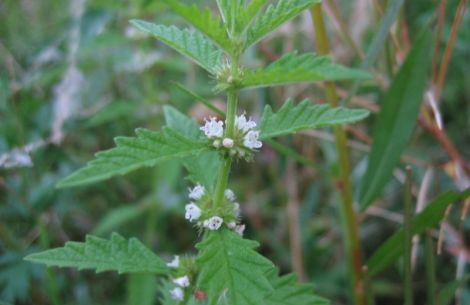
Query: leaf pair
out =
(182, 140)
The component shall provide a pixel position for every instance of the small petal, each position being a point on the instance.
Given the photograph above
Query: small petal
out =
(213, 223)
(177, 294)
(182, 281)
(240, 229)
(175, 263)
(232, 225)
(242, 124)
(227, 143)
(229, 194)
(197, 192)
(251, 140)
(193, 212)
(213, 128)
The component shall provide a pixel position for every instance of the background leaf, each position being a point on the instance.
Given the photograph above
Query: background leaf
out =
(231, 271)
(274, 16)
(204, 21)
(201, 168)
(191, 44)
(148, 149)
(293, 68)
(305, 115)
(287, 291)
(117, 254)
(391, 249)
(396, 120)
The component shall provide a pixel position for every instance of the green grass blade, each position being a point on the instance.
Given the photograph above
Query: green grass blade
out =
(396, 120)
(378, 42)
(407, 240)
(391, 249)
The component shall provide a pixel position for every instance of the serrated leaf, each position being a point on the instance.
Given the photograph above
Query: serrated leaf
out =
(148, 149)
(291, 118)
(392, 248)
(288, 291)
(238, 15)
(204, 21)
(231, 271)
(203, 167)
(117, 217)
(274, 16)
(141, 289)
(293, 68)
(191, 44)
(116, 254)
(396, 120)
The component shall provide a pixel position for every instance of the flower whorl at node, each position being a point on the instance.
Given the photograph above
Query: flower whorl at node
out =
(210, 217)
(243, 143)
(227, 77)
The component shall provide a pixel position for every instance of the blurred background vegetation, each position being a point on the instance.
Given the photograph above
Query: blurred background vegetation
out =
(74, 74)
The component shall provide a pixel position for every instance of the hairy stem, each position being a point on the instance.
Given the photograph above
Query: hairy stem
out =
(350, 225)
(224, 172)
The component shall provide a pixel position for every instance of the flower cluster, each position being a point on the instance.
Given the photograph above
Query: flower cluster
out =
(245, 139)
(201, 210)
(181, 282)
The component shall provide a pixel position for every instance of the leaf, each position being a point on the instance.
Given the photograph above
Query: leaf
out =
(117, 217)
(293, 68)
(274, 16)
(191, 44)
(204, 167)
(204, 21)
(447, 293)
(396, 120)
(391, 249)
(141, 289)
(287, 291)
(231, 271)
(291, 118)
(148, 149)
(117, 254)
(238, 15)
(181, 123)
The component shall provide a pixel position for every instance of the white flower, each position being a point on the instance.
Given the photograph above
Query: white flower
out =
(240, 229)
(251, 140)
(232, 225)
(197, 192)
(213, 223)
(193, 212)
(236, 209)
(175, 262)
(182, 281)
(227, 143)
(177, 294)
(228, 193)
(213, 128)
(242, 124)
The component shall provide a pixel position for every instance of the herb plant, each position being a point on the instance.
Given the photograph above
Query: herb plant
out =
(227, 269)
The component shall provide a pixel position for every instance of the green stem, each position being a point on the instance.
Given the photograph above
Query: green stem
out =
(224, 172)
(51, 280)
(430, 272)
(350, 225)
(408, 236)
